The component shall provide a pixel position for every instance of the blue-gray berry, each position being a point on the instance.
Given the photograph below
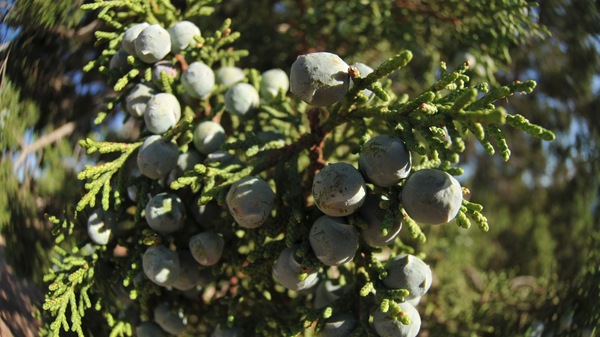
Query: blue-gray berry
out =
(333, 240)
(128, 41)
(384, 160)
(165, 213)
(163, 66)
(227, 76)
(339, 325)
(374, 217)
(137, 99)
(118, 62)
(198, 80)
(319, 79)
(152, 44)
(339, 189)
(388, 326)
(189, 272)
(156, 157)
(408, 272)
(161, 265)
(162, 112)
(100, 226)
(431, 196)
(287, 270)
(182, 35)
(208, 137)
(172, 322)
(273, 81)
(241, 99)
(207, 248)
(250, 201)
(185, 162)
(207, 216)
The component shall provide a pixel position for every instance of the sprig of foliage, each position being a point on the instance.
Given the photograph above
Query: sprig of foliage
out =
(119, 327)
(209, 49)
(68, 298)
(435, 124)
(100, 176)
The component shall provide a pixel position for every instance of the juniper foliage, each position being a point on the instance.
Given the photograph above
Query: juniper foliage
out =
(440, 111)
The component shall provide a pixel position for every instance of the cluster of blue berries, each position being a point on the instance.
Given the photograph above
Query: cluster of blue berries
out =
(168, 213)
(341, 192)
(261, 204)
(428, 196)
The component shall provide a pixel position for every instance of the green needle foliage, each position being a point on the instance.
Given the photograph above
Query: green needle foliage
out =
(100, 176)
(435, 125)
(466, 85)
(70, 280)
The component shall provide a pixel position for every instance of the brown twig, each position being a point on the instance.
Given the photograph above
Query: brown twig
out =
(181, 59)
(316, 150)
(80, 32)
(44, 141)
(3, 69)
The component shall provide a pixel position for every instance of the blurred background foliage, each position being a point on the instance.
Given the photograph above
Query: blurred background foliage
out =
(539, 266)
